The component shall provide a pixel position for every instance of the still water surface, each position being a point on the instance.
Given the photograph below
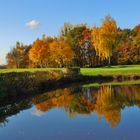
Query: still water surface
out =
(106, 112)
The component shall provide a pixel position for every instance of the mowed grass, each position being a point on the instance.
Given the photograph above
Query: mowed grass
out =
(114, 70)
(133, 82)
(32, 70)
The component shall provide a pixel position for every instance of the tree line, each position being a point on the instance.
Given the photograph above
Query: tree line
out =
(80, 45)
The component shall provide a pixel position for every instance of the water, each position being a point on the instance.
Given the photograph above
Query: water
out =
(105, 112)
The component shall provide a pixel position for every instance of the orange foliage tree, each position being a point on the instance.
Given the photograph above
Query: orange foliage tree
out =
(61, 53)
(54, 52)
(39, 53)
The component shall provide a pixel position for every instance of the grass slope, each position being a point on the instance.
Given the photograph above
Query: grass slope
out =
(135, 82)
(114, 70)
(29, 70)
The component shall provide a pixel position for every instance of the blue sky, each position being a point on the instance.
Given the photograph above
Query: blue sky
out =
(51, 14)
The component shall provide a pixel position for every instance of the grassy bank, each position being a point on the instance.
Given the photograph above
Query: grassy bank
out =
(17, 83)
(32, 70)
(114, 70)
(133, 82)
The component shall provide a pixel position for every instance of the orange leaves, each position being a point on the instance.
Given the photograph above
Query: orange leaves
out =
(86, 36)
(60, 52)
(38, 52)
(58, 98)
(55, 52)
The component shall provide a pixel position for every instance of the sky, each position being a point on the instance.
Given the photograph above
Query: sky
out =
(26, 20)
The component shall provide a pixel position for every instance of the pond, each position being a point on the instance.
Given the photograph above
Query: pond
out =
(79, 112)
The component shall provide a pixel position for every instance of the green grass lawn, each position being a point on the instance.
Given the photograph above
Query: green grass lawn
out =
(29, 70)
(133, 82)
(114, 70)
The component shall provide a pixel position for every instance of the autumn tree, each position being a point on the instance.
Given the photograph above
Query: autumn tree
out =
(79, 38)
(51, 52)
(135, 49)
(39, 53)
(18, 56)
(88, 53)
(80, 45)
(13, 57)
(124, 35)
(135, 54)
(74, 37)
(128, 51)
(124, 53)
(104, 38)
(61, 53)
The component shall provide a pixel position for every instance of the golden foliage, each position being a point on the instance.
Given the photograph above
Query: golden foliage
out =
(60, 52)
(105, 106)
(56, 52)
(106, 101)
(104, 37)
(61, 98)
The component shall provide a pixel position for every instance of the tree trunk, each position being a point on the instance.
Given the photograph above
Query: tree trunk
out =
(109, 61)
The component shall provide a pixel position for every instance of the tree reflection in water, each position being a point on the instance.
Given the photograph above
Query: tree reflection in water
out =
(106, 101)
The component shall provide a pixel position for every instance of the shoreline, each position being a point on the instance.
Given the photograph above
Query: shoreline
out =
(31, 83)
(19, 86)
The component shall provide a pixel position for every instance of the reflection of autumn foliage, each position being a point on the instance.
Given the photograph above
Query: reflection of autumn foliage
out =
(72, 103)
(107, 101)
(58, 98)
(111, 100)
(80, 105)
(106, 105)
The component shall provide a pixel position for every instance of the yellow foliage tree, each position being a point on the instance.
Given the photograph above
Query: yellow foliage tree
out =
(104, 38)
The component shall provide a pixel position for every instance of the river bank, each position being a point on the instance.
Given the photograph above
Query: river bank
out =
(22, 84)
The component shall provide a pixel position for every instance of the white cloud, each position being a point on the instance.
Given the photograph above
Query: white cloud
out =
(33, 24)
(37, 113)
